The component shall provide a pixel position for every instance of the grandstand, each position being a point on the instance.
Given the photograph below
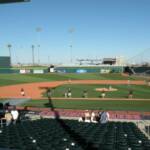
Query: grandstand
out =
(49, 116)
(138, 70)
(48, 134)
(139, 64)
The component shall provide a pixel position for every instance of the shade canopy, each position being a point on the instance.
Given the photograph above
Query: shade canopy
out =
(13, 1)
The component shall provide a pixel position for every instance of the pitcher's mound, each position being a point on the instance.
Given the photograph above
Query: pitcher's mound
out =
(106, 89)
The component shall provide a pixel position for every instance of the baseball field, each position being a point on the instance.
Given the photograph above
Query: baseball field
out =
(35, 86)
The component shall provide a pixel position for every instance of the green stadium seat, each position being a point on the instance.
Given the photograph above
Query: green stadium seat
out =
(51, 135)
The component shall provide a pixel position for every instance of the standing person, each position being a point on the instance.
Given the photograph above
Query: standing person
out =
(69, 93)
(49, 93)
(22, 92)
(93, 117)
(8, 117)
(110, 87)
(130, 95)
(15, 114)
(104, 117)
(128, 82)
(85, 94)
(65, 94)
(87, 116)
(103, 94)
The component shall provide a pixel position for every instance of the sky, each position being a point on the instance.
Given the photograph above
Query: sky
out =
(100, 28)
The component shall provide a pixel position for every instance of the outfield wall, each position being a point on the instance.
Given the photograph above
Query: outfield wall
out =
(93, 69)
(7, 70)
(22, 71)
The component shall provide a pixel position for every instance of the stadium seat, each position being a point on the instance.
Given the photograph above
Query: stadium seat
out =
(52, 134)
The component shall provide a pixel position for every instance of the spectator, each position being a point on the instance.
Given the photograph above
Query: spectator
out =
(93, 117)
(81, 119)
(8, 117)
(15, 114)
(104, 117)
(87, 116)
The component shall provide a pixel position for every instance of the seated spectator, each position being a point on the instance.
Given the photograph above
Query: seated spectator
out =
(81, 119)
(87, 116)
(93, 117)
(8, 117)
(15, 114)
(104, 117)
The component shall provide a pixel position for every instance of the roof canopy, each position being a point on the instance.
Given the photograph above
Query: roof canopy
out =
(12, 1)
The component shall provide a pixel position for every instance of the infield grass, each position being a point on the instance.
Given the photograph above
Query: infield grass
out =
(139, 91)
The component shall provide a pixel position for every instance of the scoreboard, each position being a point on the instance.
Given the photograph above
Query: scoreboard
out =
(5, 62)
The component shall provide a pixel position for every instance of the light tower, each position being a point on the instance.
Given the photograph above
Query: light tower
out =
(32, 54)
(71, 31)
(9, 49)
(38, 30)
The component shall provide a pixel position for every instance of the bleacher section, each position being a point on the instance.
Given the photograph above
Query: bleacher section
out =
(143, 70)
(137, 70)
(50, 134)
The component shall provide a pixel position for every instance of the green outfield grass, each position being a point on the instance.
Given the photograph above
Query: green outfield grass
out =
(139, 91)
(92, 104)
(10, 79)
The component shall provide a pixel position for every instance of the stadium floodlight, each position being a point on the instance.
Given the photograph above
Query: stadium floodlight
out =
(71, 30)
(32, 54)
(13, 1)
(38, 30)
(9, 48)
